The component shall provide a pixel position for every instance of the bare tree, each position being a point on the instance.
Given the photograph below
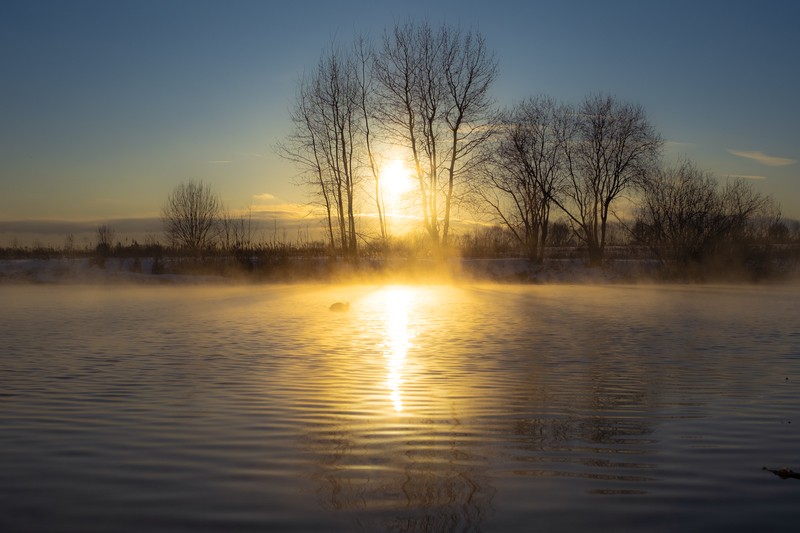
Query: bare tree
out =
(191, 215)
(611, 149)
(365, 79)
(680, 216)
(749, 212)
(470, 70)
(687, 219)
(326, 140)
(105, 239)
(525, 170)
(434, 94)
(304, 147)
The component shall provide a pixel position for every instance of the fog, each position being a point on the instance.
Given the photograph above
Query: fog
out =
(148, 270)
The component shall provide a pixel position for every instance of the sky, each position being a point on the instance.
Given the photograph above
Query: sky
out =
(106, 106)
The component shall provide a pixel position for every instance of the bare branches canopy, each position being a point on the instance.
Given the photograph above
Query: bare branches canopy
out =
(332, 140)
(610, 149)
(580, 159)
(434, 89)
(191, 215)
(688, 219)
(423, 92)
(524, 170)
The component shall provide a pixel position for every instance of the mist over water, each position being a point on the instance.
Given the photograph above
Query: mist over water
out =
(422, 408)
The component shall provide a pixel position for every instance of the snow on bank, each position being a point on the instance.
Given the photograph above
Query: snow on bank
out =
(87, 271)
(305, 270)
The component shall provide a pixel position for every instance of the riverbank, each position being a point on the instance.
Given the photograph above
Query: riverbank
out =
(305, 270)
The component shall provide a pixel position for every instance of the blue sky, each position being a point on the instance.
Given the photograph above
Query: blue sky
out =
(106, 106)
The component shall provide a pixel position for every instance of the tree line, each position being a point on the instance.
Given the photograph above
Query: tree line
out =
(543, 172)
(425, 92)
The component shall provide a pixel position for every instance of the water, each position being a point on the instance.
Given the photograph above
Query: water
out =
(423, 408)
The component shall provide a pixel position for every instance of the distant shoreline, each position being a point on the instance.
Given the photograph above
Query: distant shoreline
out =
(321, 270)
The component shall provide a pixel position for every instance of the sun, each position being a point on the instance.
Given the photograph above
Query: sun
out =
(396, 182)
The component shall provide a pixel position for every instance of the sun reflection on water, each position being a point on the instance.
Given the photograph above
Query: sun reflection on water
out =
(397, 302)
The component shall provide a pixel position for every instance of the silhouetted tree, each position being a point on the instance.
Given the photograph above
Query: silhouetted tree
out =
(425, 91)
(105, 242)
(303, 147)
(525, 170)
(560, 234)
(435, 103)
(105, 239)
(364, 57)
(191, 215)
(610, 149)
(687, 218)
(779, 232)
(327, 137)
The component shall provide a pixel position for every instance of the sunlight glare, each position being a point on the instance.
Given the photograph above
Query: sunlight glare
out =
(396, 182)
(398, 340)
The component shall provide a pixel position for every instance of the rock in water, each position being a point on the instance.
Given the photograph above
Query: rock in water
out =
(340, 306)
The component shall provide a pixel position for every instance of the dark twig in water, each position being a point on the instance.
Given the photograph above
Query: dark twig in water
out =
(783, 473)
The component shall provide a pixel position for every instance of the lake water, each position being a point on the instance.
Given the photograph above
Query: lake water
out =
(422, 408)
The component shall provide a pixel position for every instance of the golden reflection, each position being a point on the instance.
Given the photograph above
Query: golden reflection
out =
(388, 412)
(397, 302)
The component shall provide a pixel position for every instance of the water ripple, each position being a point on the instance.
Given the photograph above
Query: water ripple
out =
(423, 408)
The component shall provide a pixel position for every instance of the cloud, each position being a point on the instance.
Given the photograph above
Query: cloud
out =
(678, 144)
(220, 162)
(764, 159)
(264, 197)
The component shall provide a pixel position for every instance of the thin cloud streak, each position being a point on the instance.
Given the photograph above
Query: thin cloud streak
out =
(764, 159)
(286, 211)
(678, 144)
